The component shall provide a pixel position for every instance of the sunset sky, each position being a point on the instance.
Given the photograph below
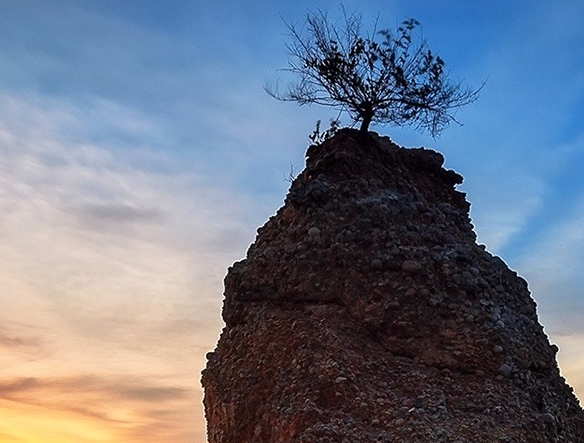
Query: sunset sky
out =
(139, 153)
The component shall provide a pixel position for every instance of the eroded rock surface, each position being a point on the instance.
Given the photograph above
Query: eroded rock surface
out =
(365, 311)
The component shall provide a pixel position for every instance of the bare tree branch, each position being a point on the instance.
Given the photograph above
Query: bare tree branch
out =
(392, 80)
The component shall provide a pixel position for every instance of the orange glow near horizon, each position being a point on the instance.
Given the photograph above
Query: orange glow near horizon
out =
(24, 423)
(98, 409)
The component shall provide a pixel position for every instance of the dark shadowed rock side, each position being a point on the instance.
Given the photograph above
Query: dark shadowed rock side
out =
(365, 311)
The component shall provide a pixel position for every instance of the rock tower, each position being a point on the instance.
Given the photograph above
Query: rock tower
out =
(365, 311)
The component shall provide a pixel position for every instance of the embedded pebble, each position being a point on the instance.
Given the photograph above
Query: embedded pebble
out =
(411, 266)
(505, 370)
(547, 418)
(376, 264)
(314, 232)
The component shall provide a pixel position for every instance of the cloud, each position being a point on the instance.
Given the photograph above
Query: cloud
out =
(27, 345)
(157, 394)
(63, 185)
(106, 256)
(107, 57)
(119, 76)
(123, 404)
(20, 343)
(115, 260)
(115, 216)
(553, 266)
(16, 386)
(501, 212)
(125, 388)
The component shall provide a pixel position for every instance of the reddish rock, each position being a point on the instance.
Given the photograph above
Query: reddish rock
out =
(366, 312)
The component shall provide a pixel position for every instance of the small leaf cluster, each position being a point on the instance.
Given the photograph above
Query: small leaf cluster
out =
(317, 137)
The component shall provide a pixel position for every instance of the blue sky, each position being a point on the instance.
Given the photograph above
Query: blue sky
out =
(140, 153)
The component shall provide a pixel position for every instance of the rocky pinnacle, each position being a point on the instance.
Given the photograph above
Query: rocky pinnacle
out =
(365, 311)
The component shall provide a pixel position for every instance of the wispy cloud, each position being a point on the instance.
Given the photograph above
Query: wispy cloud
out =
(104, 253)
(554, 267)
(15, 343)
(125, 388)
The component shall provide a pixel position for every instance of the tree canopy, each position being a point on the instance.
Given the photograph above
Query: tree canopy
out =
(385, 77)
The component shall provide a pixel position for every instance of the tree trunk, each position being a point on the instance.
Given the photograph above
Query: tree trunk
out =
(367, 117)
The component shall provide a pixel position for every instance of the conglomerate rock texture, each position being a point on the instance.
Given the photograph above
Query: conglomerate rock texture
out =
(365, 311)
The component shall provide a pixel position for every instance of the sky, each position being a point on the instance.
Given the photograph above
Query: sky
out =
(139, 153)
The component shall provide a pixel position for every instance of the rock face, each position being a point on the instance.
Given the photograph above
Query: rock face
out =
(365, 311)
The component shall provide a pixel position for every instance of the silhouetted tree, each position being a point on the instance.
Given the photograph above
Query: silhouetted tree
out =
(394, 80)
